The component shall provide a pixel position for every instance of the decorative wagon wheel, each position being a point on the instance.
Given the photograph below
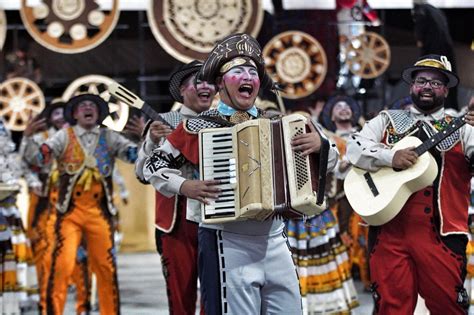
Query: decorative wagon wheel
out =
(189, 29)
(20, 99)
(69, 26)
(3, 28)
(368, 55)
(97, 84)
(296, 61)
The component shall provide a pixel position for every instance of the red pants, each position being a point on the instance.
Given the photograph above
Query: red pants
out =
(410, 257)
(178, 251)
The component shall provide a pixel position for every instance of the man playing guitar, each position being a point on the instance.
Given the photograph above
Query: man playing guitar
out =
(422, 249)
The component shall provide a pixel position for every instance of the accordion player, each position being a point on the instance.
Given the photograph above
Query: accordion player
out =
(261, 175)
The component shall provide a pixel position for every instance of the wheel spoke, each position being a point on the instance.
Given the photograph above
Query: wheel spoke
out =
(381, 60)
(10, 90)
(31, 96)
(22, 89)
(4, 99)
(93, 89)
(4, 111)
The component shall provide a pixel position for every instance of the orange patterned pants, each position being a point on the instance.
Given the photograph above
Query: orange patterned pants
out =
(85, 219)
(41, 224)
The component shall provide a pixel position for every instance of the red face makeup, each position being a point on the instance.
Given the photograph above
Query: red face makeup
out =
(239, 87)
(199, 97)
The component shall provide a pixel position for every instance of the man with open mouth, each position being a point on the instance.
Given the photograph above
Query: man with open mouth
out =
(85, 155)
(175, 236)
(245, 267)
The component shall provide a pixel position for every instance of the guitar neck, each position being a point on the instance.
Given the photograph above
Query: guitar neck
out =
(126, 96)
(440, 136)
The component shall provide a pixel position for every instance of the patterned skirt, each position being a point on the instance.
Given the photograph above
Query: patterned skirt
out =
(18, 283)
(469, 282)
(323, 265)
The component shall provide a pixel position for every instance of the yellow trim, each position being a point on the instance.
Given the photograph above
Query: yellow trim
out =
(88, 176)
(431, 63)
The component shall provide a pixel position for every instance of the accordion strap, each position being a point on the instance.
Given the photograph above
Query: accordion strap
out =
(216, 119)
(323, 163)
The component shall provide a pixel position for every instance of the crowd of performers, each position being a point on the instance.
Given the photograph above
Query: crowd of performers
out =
(275, 266)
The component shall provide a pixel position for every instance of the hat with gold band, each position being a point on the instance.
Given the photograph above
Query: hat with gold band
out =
(234, 50)
(432, 62)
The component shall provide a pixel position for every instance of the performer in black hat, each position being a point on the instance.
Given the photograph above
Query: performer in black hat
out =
(422, 249)
(245, 267)
(176, 237)
(85, 156)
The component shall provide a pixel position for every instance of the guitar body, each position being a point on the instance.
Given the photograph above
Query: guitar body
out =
(379, 196)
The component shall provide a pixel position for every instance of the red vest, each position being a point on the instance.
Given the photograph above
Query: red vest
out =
(166, 208)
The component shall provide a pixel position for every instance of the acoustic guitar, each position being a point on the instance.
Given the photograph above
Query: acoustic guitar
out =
(379, 196)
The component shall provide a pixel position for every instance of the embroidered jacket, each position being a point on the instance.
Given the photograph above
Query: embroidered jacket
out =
(370, 149)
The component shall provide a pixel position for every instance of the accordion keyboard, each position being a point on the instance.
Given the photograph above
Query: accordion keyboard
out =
(219, 164)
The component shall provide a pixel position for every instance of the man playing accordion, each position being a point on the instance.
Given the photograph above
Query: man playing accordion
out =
(245, 267)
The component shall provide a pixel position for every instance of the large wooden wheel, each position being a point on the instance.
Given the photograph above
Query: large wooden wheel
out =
(189, 29)
(297, 62)
(98, 84)
(69, 26)
(368, 55)
(20, 99)
(3, 28)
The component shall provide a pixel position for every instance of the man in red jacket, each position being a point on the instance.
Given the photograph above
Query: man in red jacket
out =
(176, 235)
(422, 249)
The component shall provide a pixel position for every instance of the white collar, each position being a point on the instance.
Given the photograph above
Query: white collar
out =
(80, 131)
(187, 112)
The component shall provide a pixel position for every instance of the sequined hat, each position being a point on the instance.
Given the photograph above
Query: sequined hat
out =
(432, 62)
(234, 50)
(96, 99)
(180, 75)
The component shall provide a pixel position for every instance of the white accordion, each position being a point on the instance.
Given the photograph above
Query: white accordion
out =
(261, 175)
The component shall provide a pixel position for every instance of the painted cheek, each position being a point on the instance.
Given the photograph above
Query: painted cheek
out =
(190, 88)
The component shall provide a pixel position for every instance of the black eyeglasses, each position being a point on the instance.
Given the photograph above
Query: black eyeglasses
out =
(421, 82)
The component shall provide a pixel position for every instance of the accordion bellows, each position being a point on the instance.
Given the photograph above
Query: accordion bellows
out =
(261, 176)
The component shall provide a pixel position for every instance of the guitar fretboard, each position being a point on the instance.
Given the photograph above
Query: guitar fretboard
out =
(440, 136)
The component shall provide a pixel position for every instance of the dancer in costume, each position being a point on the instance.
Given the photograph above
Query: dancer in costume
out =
(423, 248)
(341, 116)
(42, 212)
(85, 156)
(18, 285)
(244, 267)
(176, 236)
(320, 253)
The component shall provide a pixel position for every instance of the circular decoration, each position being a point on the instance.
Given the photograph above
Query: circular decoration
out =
(97, 84)
(189, 29)
(297, 62)
(20, 99)
(69, 26)
(368, 55)
(3, 28)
